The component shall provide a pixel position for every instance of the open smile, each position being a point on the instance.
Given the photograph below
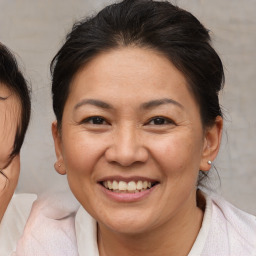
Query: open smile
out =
(128, 187)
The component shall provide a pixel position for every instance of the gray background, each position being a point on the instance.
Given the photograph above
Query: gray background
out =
(35, 29)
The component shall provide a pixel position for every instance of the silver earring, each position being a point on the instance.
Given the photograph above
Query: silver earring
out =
(209, 162)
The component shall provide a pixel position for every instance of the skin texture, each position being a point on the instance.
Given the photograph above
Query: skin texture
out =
(8, 185)
(9, 113)
(128, 142)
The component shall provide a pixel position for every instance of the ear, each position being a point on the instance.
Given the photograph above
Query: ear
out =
(59, 165)
(212, 140)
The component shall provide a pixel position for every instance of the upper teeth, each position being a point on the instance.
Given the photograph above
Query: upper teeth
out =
(131, 186)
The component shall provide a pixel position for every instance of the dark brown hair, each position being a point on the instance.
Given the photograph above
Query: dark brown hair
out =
(158, 25)
(12, 78)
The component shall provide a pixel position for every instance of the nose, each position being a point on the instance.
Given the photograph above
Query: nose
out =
(126, 147)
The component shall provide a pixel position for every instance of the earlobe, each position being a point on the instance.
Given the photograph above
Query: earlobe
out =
(212, 142)
(60, 168)
(59, 165)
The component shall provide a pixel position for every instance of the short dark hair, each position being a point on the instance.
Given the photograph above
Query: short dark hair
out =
(144, 23)
(12, 78)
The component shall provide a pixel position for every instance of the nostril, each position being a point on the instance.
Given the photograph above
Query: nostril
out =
(126, 156)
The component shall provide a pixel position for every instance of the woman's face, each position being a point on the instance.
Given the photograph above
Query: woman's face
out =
(132, 141)
(9, 118)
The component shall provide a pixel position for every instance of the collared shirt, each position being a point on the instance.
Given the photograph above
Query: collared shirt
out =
(13, 222)
(225, 231)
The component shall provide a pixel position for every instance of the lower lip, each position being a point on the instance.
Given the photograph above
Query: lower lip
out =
(127, 197)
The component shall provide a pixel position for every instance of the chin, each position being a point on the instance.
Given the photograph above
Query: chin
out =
(127, 222)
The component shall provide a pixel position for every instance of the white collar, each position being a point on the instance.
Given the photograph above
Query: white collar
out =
(198, 245)
(86, 232)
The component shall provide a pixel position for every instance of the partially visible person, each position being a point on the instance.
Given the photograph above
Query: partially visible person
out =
(15, 107)
(14, 119)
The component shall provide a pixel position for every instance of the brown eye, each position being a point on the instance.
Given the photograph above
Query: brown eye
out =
(160, 121)
(97, 120)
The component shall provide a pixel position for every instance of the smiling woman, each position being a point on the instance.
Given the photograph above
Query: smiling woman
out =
(132, 143)
(147, 129)
(135, 93)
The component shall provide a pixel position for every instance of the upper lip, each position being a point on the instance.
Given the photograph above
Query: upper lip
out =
(127, 179)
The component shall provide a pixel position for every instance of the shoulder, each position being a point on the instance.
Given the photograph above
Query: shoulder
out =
(14, 221)
(50, 229)
(231, 230)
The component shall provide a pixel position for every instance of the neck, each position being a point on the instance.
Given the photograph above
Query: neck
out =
(176, 237)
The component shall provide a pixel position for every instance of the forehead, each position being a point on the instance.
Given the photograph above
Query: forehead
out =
(128, 68)
(4, 90)
(130, 72)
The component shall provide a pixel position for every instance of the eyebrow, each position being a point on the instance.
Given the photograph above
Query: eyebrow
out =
(146, 105)
(97, 103)
(159, 102)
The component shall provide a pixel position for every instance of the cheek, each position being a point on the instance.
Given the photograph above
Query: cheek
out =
(7, 137)
(177, 154)
(81, 153)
